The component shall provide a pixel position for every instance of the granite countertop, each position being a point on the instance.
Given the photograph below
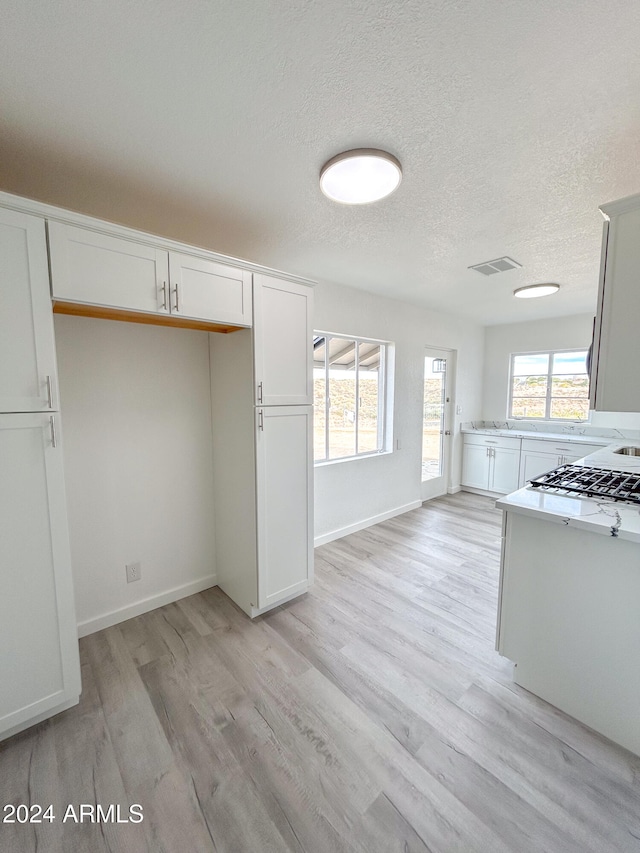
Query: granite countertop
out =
(595, 515)
(541, 436)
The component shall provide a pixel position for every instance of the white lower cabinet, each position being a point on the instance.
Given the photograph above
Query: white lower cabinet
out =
(503, 464)
(568, 619)
(533, 464)
(541, 455)
(39, 665)
(490, 464)
(284, 502)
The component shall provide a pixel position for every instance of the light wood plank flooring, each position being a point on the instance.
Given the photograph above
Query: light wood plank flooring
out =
(371, 715)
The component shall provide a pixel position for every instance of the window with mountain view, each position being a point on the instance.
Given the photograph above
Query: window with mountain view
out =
(549, 386)
(350, 396)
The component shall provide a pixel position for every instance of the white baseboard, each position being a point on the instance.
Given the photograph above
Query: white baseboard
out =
(367, 522)
(453, 490)
(106, 620)
(484, 492)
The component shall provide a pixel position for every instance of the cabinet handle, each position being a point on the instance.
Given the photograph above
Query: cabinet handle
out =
(52, 427)
(177, 297)
(259, 392)
(164, 295)
(260, 420)
(490, 441)
(49, 393)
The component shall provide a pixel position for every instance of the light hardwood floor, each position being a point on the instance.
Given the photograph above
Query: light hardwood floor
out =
(371, 716)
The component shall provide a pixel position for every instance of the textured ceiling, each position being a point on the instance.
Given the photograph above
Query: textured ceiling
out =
(209, 122)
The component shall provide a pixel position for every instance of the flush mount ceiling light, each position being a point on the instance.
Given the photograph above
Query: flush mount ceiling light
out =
(532, 291)
(360, 176)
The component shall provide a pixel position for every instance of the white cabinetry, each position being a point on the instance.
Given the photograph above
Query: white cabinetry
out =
(614, 374)
(39, 667)
(490, 464)
(27, 354)
(539, 456)
(284, 502)
(283, 331)
(262, 440)
(568, 618)
(206, 290)
(99, 274)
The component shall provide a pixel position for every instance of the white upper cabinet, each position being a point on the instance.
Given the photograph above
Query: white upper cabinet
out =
(27, 353)
(614, 376)
(99, 269)
(283, 350)
(155, 284)
(205, 290)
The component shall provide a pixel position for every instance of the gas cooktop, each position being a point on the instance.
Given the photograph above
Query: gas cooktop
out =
(591, 482)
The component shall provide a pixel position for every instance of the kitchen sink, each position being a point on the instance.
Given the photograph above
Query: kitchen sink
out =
(628, 451)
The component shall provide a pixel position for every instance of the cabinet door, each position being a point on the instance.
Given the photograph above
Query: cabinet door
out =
(504, 470)
(27, 353)
(534, 463)
(284, 502)
(475, 466)
(568, 460)
(205, 290)
(615, 386)
(98, 269)
(283, 350)
(39, 667)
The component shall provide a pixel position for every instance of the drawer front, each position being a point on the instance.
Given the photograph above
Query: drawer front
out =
(492, 441)
(577, 449)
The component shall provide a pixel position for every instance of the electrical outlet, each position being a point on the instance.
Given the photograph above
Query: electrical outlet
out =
(458, 409)
(134, 572)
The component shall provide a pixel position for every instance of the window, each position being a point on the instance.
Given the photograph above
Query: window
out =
(350, 396)
(549, 385)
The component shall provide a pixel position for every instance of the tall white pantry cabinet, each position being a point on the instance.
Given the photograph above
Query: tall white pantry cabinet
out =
(39, 665)
(263, 474)
(260, 335)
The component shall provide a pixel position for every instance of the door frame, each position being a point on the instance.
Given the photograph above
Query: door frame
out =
(438, 486)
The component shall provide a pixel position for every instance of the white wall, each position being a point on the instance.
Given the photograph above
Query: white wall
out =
(348, 494)
(136, 405)
(572, 332)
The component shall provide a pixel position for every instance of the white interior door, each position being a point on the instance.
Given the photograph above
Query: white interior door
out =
(436, 418)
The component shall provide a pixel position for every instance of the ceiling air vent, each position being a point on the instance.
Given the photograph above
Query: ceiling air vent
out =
(499, 265)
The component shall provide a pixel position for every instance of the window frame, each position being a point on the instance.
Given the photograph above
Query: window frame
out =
(547, 405)
(385, 397)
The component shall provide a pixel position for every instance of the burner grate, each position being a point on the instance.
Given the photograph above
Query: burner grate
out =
(592, 482)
